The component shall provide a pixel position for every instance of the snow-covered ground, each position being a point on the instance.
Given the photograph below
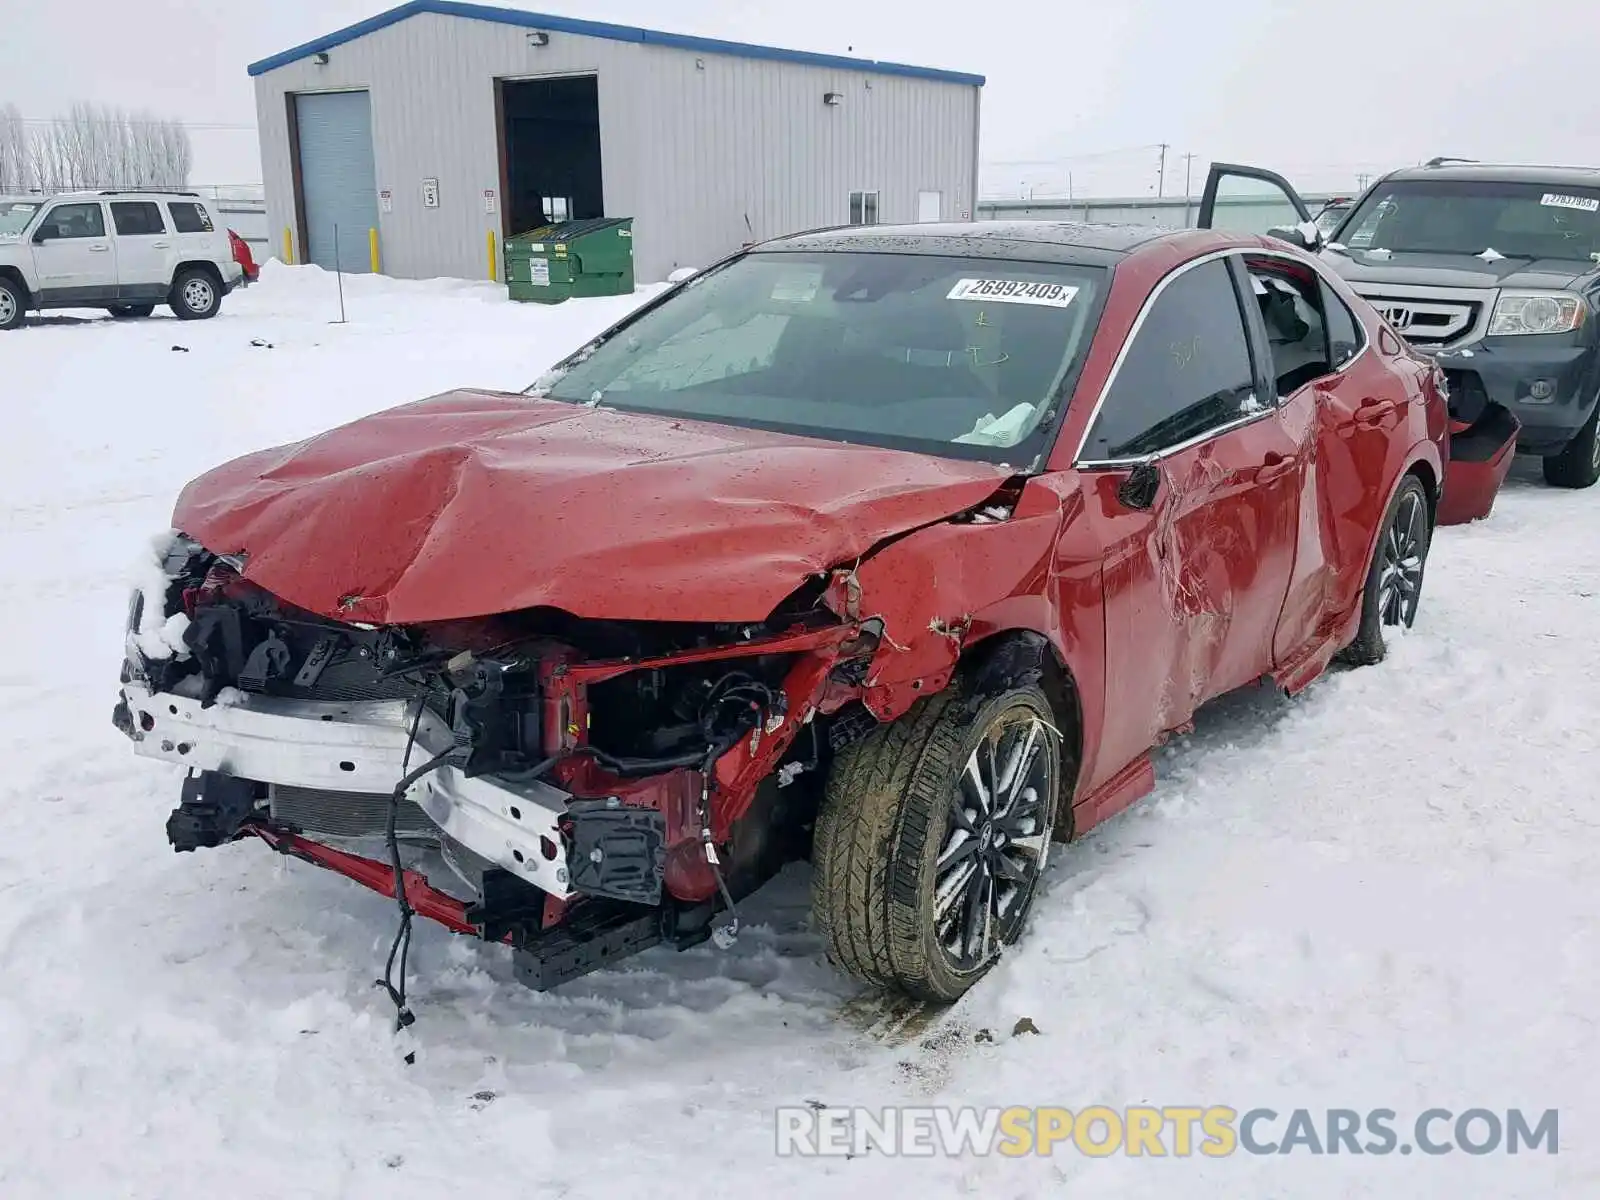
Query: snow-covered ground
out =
(1381, 895)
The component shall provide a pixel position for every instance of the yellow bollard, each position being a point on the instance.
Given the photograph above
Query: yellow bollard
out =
(288, 247)
(372, 244)
(494, 267)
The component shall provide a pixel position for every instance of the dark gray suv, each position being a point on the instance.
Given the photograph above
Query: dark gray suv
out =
(1493, 271)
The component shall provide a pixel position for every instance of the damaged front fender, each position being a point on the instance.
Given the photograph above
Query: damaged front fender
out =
(943, 587)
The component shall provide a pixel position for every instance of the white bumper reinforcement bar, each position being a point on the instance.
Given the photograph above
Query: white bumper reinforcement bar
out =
(359, 747)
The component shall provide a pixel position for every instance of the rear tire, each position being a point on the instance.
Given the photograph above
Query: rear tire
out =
(13, 305)
(124, 311)
(903, 824)
(1578, 466)
(1394, 580)
(196, 296)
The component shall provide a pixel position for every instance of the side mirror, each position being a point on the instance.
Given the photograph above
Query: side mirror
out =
(40, 238)
(1140, 488)
(1307, 236)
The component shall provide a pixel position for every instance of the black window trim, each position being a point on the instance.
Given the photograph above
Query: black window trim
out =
(1080, 463)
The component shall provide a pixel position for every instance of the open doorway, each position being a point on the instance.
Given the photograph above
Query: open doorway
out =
(550, 151)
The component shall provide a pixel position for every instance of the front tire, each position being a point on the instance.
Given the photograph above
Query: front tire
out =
(1394, 580)
(13, 305)
(1578, 466)
(196, 295)
(932, 838)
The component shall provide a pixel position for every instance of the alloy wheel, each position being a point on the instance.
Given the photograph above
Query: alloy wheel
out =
(197, 295)
(1400, 578)
(8, 307)
(997, 837)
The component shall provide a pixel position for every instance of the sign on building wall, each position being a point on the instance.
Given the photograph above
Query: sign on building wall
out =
(488, 200)
(386, 200)
(430, 193)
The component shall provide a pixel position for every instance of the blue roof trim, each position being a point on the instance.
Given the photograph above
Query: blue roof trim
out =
(597, 29)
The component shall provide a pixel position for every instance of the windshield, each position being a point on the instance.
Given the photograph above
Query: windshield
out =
(965, 357)
(15, 215)
(1514, 220)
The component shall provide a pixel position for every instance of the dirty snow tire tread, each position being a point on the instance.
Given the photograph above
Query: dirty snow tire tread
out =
(1369, 648)
(874, 855)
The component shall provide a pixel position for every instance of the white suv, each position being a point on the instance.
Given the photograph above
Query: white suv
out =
(122, 251)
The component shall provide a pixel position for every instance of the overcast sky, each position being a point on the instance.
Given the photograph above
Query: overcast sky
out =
(1321, 90)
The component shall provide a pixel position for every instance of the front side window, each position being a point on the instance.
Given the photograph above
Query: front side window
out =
(190, 218)
(74, 221)
(1186, 373)
(964, 357)
(1514, 220)
(136, 218)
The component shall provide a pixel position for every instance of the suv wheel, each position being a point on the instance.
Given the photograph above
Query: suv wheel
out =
(1394, 580)
(195, 295)
(932, 838)
(131, 310)
(1578, 466)
(13, 305)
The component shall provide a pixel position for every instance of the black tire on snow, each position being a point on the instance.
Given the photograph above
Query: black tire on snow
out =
(884, 820)
(13, 305)
(187, 290)
(123, 311)
(1410, 503)
(1578, 466)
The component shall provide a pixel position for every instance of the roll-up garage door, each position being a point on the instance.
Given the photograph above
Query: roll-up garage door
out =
(337, 179)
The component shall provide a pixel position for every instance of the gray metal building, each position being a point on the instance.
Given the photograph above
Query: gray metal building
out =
(439, 125)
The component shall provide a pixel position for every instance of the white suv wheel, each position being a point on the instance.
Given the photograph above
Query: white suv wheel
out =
(8, 307)
(198, 295)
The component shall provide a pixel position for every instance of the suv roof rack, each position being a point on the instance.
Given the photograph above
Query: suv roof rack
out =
(1525, 166)
(1443, 159)
(147, 192)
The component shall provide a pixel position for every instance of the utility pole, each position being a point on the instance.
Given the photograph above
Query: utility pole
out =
(1188, 162)
(1161, 173)
(1361, 182)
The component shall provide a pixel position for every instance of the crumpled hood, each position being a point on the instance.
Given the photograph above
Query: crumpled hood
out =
(473, 503)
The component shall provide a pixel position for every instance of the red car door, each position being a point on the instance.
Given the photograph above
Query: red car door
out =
(1189, 478)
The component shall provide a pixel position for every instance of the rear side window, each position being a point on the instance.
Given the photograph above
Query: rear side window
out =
(189, 218)
(1344, 331)
(1187, 372)
(133, 218)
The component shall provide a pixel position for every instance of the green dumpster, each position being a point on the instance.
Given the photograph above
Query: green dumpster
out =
(572, 258)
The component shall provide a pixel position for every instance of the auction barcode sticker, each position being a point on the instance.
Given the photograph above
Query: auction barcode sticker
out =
(1581, 203)
(1013, 291)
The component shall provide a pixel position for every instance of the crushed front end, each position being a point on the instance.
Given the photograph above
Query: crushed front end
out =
(578, 789)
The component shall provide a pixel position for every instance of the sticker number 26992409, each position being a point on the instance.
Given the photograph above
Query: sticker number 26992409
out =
(1013, 291)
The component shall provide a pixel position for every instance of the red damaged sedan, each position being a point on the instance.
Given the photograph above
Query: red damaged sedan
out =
(894, 549)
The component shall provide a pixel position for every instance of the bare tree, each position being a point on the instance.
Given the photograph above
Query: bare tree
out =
(95, 147)
(15, 166)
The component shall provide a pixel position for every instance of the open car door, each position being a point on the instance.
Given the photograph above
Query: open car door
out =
(1483, 435)
(1242, 199)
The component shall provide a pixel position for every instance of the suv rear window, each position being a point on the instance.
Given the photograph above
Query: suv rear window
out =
(1515, 220)
(965, 357)
(189, 218)
(133, 218)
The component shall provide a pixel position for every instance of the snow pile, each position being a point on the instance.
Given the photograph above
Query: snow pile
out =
(1381, 894)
